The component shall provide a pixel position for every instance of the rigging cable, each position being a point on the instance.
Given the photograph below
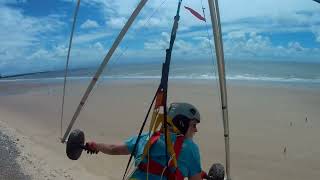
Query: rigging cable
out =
(144, 25)
(67, 64)
(211, 53)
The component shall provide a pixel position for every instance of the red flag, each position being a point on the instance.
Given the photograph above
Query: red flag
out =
(195, 13)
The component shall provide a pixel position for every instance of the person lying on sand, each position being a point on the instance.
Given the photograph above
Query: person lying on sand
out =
(185, 118)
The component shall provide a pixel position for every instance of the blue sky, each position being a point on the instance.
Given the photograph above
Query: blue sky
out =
(34, 34)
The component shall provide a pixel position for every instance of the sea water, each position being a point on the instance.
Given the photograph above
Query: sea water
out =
(241, 70)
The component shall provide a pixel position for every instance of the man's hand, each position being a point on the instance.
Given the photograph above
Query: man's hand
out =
(91, 147)
(204, 175)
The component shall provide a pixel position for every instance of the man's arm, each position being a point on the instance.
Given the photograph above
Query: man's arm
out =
(113, 149)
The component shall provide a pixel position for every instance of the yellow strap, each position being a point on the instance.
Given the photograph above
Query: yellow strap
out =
(171, 149)
(153, 119)
(156, 121)
(174, 128)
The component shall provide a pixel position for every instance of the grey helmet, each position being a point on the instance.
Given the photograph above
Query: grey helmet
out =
(181, 114)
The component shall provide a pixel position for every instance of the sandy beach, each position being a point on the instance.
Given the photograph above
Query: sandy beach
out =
(273, 128)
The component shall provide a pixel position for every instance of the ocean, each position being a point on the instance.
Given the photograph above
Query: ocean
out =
(244, 70)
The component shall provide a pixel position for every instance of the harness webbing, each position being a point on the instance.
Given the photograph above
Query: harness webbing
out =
(153, 167)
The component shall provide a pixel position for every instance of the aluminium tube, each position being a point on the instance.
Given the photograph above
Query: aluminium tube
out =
(102, 66)
(216, 26)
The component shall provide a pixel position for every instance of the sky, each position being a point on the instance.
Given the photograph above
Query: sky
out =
(34, 34)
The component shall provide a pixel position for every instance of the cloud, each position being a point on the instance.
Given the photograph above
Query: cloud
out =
(20, 32)
(237, 44)
(236, 35)
(247, 28)
(88, 24)
(117, 22)
(316, 32)
(248, 8)
(12, 1)
(295, 46)
(230, 10)
(184, 48)
(89, 37)
(55, 58)
(248, 44)
(40, 54)
(158, 44)
(283, 22)
(257, 46)
(151, 23)
(98, 46)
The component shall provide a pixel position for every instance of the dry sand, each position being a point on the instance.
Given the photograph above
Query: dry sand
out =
(270, 138)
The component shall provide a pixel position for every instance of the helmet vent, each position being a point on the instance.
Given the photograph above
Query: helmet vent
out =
(193, 111)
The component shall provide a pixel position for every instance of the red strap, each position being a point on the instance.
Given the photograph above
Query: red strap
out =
(157, 168)
(154, 168)
(178, 145)
(178, 175)
(177, 148)
(154, 138)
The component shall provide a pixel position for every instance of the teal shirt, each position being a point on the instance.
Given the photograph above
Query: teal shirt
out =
(188, 161)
